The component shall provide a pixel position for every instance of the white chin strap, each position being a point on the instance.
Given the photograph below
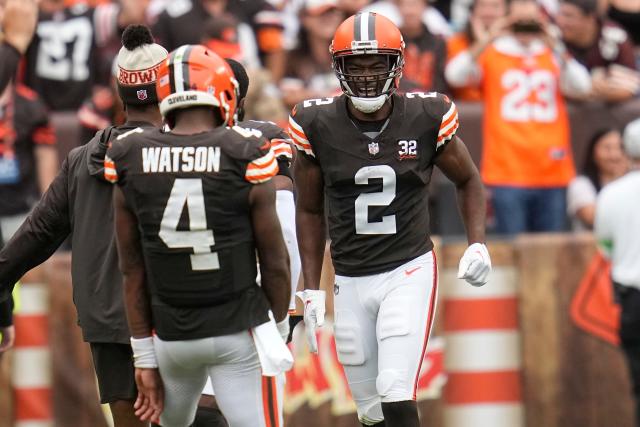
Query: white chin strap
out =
(368, 105)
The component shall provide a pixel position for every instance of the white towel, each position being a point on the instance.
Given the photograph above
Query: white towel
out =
(275, 357)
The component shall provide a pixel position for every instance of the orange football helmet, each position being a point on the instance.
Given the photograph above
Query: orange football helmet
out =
(368, 33)
(193, 75)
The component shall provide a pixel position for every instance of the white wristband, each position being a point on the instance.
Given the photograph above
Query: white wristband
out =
(283, 328)
(144, 353)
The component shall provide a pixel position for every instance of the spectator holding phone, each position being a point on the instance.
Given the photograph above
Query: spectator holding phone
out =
(484, 14)
(524, 71)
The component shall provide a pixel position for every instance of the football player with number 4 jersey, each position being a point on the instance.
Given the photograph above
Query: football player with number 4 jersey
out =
(371, 153)
(192, 208)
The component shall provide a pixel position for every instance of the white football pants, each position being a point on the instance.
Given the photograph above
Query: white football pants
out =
(245, 397)
(382, 324)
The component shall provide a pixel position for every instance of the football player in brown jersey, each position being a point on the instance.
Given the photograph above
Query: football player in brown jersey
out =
(192, 208)
(370, 152)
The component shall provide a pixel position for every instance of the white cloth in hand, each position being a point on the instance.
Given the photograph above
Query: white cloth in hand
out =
(275, 357)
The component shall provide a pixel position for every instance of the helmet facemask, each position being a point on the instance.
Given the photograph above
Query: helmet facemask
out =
(369, 89)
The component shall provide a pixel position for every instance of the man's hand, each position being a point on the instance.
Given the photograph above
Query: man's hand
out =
(19, 23)
(475, 265)
(314, 309)
(498, 28)
(150, 401)
(8, 338)
(614, 84)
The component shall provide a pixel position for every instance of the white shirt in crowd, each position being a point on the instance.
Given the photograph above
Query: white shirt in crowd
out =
(617, 227)
(580, 193)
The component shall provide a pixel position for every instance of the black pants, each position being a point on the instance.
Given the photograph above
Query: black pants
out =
(113, 363)
(629, 299)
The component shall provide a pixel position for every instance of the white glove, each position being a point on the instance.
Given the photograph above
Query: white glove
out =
(283, 328)
(314, 309)
(475, 265)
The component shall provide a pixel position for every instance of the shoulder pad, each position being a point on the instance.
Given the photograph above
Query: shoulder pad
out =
(245, 144)
(317, 102)
(434, 104)
(305, 111)
(269, 130)
(128, 133)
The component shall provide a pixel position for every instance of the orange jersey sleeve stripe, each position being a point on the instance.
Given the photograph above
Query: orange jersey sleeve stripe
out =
(253, 170)
(450, 116)
(296, 129)
(451, 129)
(448, 127)
(110, 173)
(300, 144)
(282, 147)
(262, 169)
(264, 160)
(299, 138)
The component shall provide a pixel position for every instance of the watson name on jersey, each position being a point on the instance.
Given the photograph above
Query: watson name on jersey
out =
(190, 195)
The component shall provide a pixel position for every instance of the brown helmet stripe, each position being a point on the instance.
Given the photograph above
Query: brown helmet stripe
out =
(356, 27)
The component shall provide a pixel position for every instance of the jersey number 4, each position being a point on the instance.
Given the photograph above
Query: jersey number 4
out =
(189, 192)
(380, 198)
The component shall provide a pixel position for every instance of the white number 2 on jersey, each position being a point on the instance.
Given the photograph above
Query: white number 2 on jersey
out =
(381, 198)
(189, 191)
(518, 105)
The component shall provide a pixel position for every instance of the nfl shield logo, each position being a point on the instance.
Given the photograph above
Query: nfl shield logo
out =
(142, 94)
(373, 148)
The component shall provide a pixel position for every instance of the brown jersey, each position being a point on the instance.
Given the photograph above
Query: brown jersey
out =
(190, 195)
(376, 188)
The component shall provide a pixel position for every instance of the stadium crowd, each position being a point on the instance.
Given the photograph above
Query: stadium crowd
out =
(463, 50)
(524, 61)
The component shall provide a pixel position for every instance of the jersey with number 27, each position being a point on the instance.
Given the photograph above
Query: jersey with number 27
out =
(376, 189)
(190, 196)
(62, 60)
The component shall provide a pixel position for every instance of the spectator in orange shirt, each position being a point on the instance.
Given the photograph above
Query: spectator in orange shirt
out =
(484, 13)
(526, 154)
(603, 47)
(424, 52)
